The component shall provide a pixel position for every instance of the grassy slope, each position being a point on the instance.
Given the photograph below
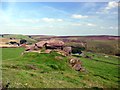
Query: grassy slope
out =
(20, 37)
(9, 53)
(52, 72)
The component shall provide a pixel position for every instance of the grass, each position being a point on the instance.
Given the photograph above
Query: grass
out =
(9, 53)
(33, 70)
(20, 37)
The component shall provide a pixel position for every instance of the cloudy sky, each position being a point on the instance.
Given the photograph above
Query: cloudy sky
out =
(60, 18)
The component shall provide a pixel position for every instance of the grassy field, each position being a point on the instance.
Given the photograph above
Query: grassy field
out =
(35, 70)
(9, 53)
(20, 37)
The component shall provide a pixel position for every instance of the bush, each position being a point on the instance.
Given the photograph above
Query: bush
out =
(23, 41)
(77, 50)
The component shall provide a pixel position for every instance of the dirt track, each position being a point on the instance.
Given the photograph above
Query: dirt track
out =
(8, 46)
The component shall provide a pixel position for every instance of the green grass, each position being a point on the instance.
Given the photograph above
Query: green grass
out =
(33, 70)
(101, 57)
(17, 36)
(9, 53)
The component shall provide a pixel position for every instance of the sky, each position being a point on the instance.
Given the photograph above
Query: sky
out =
(59, 18)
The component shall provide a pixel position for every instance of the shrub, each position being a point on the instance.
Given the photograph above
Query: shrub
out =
(22, 41)
(77, 50)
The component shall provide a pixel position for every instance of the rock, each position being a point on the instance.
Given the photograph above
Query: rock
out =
(41, 44)
(48, 51)
(74, 61)
(54, 42)
(61, 52)
(68, 49)
(76, 64)
(29, 47)
(106, 56)
(77, 67)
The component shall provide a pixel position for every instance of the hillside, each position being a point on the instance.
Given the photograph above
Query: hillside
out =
(17, 36)
(34, 70)
(97, 37)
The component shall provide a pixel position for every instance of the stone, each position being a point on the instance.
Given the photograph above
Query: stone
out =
(77, 67)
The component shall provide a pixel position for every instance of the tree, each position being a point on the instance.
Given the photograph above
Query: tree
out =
(30, 36)
(23, 41)
(2, 35)
(77, 50)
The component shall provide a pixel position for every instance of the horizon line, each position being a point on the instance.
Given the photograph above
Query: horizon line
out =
(61, 35)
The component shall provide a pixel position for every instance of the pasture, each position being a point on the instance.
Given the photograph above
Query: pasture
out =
(33, 70)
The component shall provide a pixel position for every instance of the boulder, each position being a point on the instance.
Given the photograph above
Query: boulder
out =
(73, 61)
(106, 56)
(68, 49)
(54, 42)
(41, 44)
(76, 64)
(48, 51)
(77, 67)
(29, 48)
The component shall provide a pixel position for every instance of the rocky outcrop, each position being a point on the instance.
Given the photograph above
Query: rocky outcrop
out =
(41, 44)
(54, 42)
(77, 67)
(68, 49)
(50, 44)
(76, 64)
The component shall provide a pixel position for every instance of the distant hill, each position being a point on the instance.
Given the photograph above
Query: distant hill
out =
(19, 36)
(97, 37)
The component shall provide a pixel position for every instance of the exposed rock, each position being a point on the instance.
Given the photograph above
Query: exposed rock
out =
(41, 44)
(54, 42)
(77, 67)
(106, 56)
(50, 44)
(73, 61)
(48, 51)
(68, 49)
(76, 64)
(62, 52)
(30, 47)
